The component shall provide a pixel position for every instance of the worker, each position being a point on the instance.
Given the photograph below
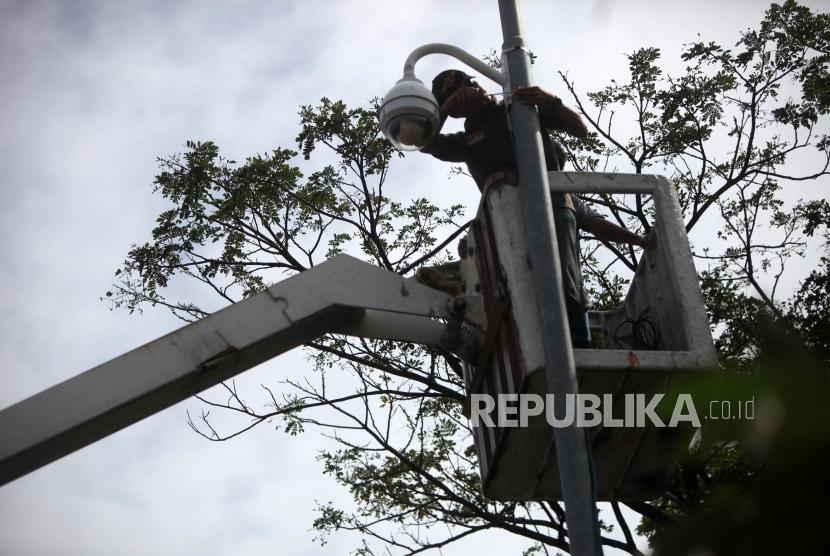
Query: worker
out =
(486, 147)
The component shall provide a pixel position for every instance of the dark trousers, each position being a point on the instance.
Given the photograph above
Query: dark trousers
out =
(566, 238)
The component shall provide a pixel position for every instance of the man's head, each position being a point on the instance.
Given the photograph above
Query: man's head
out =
(449, 82)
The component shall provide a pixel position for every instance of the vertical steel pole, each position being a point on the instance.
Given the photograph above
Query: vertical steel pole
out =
(571, 448)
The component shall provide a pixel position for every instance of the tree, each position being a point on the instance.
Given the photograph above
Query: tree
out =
(724, 131)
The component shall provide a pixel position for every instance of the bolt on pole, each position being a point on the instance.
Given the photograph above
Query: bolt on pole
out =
(537, 210)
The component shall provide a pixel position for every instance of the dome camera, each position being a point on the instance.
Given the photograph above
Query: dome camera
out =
(409, 115)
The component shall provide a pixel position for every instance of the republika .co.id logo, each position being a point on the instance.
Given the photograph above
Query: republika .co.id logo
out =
(590, 410)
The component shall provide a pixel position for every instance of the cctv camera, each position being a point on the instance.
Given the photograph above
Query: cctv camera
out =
(409, 115)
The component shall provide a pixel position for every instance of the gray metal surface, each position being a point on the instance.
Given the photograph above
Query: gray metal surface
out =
(571, 442)
(343, 294)
(455, 52)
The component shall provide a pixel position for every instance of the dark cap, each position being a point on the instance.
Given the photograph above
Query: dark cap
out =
(447, 82)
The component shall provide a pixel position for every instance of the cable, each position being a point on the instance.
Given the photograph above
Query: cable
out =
(432, 253)
(644, 334)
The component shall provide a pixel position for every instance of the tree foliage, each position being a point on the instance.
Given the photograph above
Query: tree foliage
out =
(726, 130)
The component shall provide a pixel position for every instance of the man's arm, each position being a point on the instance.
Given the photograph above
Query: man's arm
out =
(438, 143)
(447, 147)
(552, 113)
(605, 230)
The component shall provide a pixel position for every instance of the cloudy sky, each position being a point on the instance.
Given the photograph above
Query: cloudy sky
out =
(90, 94)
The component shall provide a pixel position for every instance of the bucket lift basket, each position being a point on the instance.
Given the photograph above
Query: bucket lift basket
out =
(519, 463)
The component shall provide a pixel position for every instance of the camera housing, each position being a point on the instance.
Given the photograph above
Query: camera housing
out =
(409, 116)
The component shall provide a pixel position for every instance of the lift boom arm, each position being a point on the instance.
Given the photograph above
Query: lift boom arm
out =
(342, 295)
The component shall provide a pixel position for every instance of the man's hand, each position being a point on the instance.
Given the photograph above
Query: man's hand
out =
(536, 96)
(647, 241)
(464, 101)
(559, 116)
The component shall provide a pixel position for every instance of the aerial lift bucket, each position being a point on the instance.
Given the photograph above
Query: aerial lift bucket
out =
(631, 463)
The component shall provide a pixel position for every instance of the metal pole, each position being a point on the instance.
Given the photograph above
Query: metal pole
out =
(571, 447)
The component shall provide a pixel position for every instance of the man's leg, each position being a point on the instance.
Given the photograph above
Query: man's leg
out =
(565, 221)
